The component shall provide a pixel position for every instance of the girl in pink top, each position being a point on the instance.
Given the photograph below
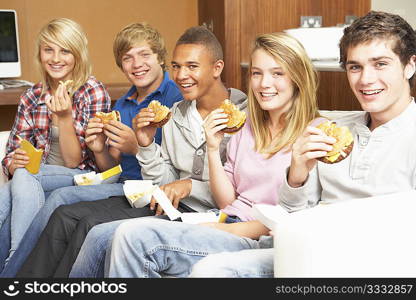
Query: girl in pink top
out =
(254, 178)
(281, 102)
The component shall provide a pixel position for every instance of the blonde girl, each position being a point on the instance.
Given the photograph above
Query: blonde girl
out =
(53, 116)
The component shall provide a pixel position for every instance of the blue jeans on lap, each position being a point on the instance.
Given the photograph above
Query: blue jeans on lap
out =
(91, 257)
(153, 248)
(61, 196)
(28, 195)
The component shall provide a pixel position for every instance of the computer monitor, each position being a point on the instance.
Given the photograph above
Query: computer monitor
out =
(9, 45)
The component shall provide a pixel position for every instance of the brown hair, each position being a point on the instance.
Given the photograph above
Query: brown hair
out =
(380, 25)
(135, 34)
(201, 35)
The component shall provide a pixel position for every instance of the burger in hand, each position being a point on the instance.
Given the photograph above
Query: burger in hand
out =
(68, 84)
(343, 145)
(236, 118)
(162, 114)
(107, 117)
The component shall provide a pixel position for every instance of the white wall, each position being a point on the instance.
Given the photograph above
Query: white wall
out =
(405, 8)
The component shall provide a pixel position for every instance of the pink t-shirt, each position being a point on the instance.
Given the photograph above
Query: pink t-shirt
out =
(255, 178)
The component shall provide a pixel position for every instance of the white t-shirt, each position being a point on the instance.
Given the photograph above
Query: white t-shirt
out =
(383, 161)
(196, 122)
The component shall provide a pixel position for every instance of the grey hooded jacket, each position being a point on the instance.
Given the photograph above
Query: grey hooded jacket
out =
(180, 156)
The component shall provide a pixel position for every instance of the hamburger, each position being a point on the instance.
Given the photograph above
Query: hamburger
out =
(107, 117)
(342, 147)
(236, 118)
(162, 113)
(66, 83)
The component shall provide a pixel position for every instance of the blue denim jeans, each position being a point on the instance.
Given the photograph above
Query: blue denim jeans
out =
(91, 257)
(154, 248)
(28, 195)
(251, 263)
(5, 242)
(61, 196)
(28, 190)
(5, 201)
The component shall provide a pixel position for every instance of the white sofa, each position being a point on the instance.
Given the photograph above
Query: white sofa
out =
(371, 237)
(4, 135)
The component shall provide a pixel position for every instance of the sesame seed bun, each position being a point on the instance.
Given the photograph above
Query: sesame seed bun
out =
(162, 114)
(107, 117)
(236, 118)
(342, 147)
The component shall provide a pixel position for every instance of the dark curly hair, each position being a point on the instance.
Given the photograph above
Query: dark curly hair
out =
(201, 35)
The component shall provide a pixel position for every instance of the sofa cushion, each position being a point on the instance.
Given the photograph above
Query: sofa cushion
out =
(4, 135)
(358, 238)
(336, 114)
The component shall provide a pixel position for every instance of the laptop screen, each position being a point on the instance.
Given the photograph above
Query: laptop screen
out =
(8, 37)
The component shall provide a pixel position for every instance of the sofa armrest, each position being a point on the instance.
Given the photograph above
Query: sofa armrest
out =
(369, 237)
(337, 114)
(4, 135)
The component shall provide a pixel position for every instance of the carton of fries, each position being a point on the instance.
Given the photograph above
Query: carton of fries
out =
(35, 155)
(110, 176)
(138, 192)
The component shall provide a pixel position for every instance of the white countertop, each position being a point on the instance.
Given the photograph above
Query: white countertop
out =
(327, 65)
(320, 65)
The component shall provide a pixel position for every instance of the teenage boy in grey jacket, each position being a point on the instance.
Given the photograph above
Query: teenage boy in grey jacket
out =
(179, 166)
